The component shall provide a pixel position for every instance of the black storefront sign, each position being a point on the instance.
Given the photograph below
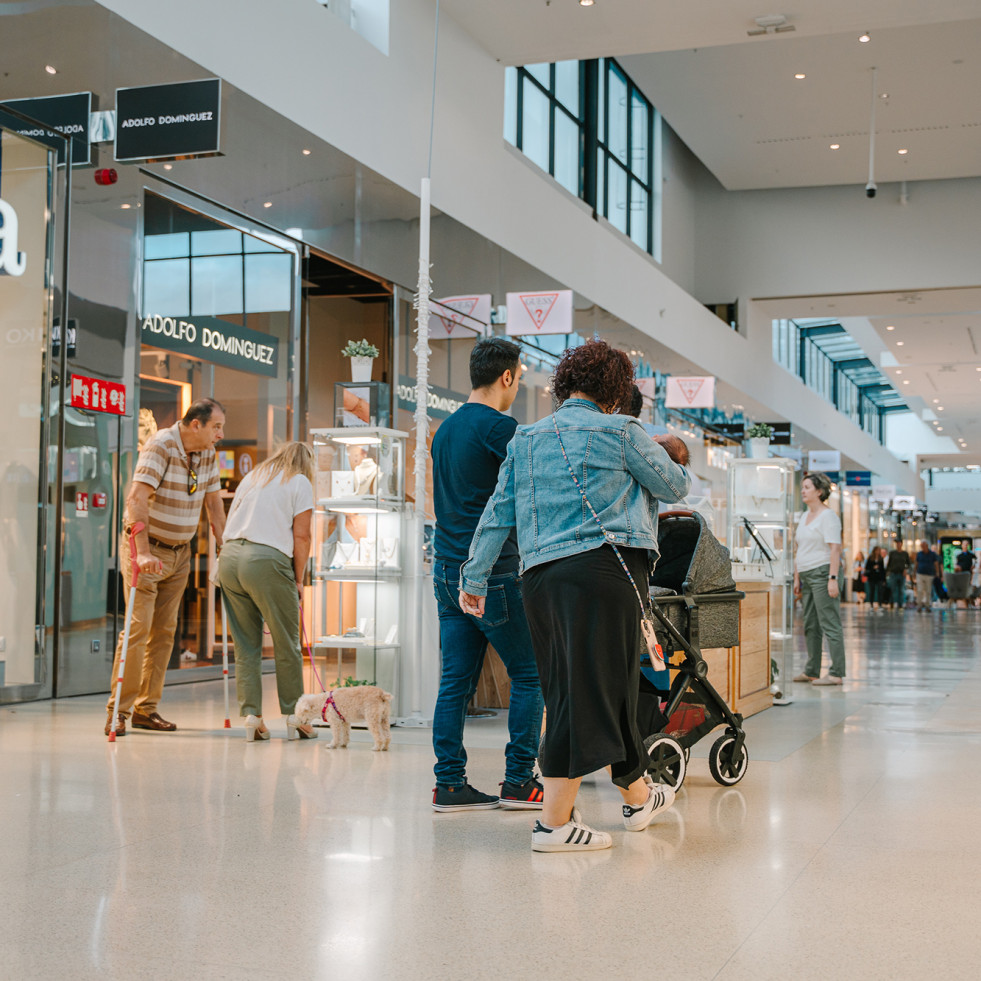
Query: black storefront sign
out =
(69, 114)
(781, 433)
(442, 401)
(156, 122)
(217, 341)
(734, 430)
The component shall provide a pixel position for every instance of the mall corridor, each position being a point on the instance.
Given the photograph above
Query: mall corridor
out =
(850, 850)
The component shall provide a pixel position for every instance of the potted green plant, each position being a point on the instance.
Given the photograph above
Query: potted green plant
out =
(361, 353)
(757, 441)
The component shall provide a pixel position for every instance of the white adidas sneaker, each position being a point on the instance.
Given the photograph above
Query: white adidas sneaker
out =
(573, 836)
(659, 798)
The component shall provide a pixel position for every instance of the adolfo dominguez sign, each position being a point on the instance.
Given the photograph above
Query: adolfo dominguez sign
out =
(217, 341)
(154, 122)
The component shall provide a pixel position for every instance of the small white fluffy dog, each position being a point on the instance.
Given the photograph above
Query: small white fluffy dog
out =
(342, 706)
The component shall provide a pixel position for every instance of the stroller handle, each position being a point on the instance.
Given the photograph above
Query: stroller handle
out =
(676, 514)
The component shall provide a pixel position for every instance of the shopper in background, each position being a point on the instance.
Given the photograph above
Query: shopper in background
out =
(582, 607)
(897, 562)
(176, 473)
(266, 547)
(817, 562)
(965, 560)
(927, 569)
(875, 578)
(468, 449)
(858, 577)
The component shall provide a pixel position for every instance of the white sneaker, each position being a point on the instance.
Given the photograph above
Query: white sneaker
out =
(573, 836)
(659, 798)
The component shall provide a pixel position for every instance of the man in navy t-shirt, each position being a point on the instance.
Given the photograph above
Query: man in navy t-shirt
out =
(467, 451)
(927, 568)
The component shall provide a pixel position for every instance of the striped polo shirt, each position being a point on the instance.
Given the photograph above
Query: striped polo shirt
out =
(163, 464)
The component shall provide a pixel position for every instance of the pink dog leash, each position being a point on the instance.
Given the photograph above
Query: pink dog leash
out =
(306, 643)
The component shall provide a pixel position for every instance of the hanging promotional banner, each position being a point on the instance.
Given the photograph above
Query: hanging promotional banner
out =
(646, 386)
(216, 341)
(690, 392)
(156, 122)
(858, 478)
(69, 114)
(825, 461)
(98, 395)
(539, 313)
(460, 316)
(904, 503)
(884, 493)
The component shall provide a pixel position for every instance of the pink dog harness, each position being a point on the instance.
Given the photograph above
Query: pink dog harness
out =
(330, 701)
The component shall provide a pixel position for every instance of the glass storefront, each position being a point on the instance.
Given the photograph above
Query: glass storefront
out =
(29, 277)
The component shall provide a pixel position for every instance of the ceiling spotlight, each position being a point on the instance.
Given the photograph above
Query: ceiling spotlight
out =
(307, 153)
(940, 408)
(51, 70)
(898, 343)
(800, 75)
(125, 207)
(935, 401)
(835, 146)
(905, 381)
(902, 153)
(168, 166)
(267, 204)
(586, 3)
(865, 38)
(899, 371)
(883, 95)
(891, 327)
(940, 429)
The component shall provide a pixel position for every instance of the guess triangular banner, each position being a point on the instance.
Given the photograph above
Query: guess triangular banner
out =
(691, 392)
(461, 316)
(540, 313)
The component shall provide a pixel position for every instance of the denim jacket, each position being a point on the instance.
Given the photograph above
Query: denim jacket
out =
(622, 470)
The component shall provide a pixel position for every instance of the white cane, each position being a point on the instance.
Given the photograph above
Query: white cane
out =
(130, 603)
(224, 658)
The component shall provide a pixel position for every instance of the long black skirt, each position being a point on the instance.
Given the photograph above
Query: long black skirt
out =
(585, 627)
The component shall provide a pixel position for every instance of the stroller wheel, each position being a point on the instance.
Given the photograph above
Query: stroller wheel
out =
(668, 761)
(726, 766)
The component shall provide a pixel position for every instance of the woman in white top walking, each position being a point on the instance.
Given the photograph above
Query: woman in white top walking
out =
(817, 562)
(266, 546)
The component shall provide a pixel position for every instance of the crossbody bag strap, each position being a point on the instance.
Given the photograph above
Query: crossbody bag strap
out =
(609, 542)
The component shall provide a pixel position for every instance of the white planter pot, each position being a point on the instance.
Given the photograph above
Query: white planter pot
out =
(361, 369)
(757, 448)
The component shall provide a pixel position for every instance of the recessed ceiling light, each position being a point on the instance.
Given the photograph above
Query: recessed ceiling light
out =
(891, 327)
(935, 401)
(168, 166)
(883, 95)
(267, 204)
(585, 3)
(835, 146)
(51, 70)
(125, 207)
(307, 153)
(865, 38)
(905, 381)
(940, 429)
(903, 152)
(900, 343)
(940, 408)
(800, 75)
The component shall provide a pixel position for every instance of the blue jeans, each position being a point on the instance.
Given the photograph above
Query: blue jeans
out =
(897, 588)
(463, 641)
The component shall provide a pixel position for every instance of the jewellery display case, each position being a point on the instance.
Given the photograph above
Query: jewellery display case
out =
(760, 518)
(357, 554)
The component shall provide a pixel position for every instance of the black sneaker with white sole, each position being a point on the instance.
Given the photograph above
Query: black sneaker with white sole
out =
(527, 796)
(464, 798)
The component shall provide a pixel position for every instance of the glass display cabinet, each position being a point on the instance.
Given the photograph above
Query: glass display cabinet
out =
(357, 555)
(761, 519)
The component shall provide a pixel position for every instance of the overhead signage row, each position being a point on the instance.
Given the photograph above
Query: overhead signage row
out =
(153, 122)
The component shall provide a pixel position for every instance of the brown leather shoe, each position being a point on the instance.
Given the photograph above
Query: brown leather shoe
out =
(120, 726)
(152, 721)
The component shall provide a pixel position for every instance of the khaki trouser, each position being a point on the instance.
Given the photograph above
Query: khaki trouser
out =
(924, 589)
(157, 603)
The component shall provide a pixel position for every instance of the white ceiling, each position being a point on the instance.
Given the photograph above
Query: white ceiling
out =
(734, 99)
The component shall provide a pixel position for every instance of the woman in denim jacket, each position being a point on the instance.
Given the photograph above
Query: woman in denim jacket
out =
(582, 610)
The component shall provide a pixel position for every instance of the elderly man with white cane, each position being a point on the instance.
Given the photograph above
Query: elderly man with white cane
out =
(176, 473)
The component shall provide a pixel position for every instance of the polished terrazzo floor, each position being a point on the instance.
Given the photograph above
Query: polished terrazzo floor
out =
(851, 850)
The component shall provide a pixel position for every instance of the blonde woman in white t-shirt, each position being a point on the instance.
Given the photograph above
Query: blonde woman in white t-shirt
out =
(817, 564)
(265, 550)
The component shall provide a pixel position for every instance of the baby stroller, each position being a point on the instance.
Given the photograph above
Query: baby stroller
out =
(695, 605)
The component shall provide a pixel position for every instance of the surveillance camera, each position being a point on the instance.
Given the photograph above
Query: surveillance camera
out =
(870, 189)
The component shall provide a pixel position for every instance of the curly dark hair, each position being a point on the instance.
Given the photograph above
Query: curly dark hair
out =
(603, 373)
